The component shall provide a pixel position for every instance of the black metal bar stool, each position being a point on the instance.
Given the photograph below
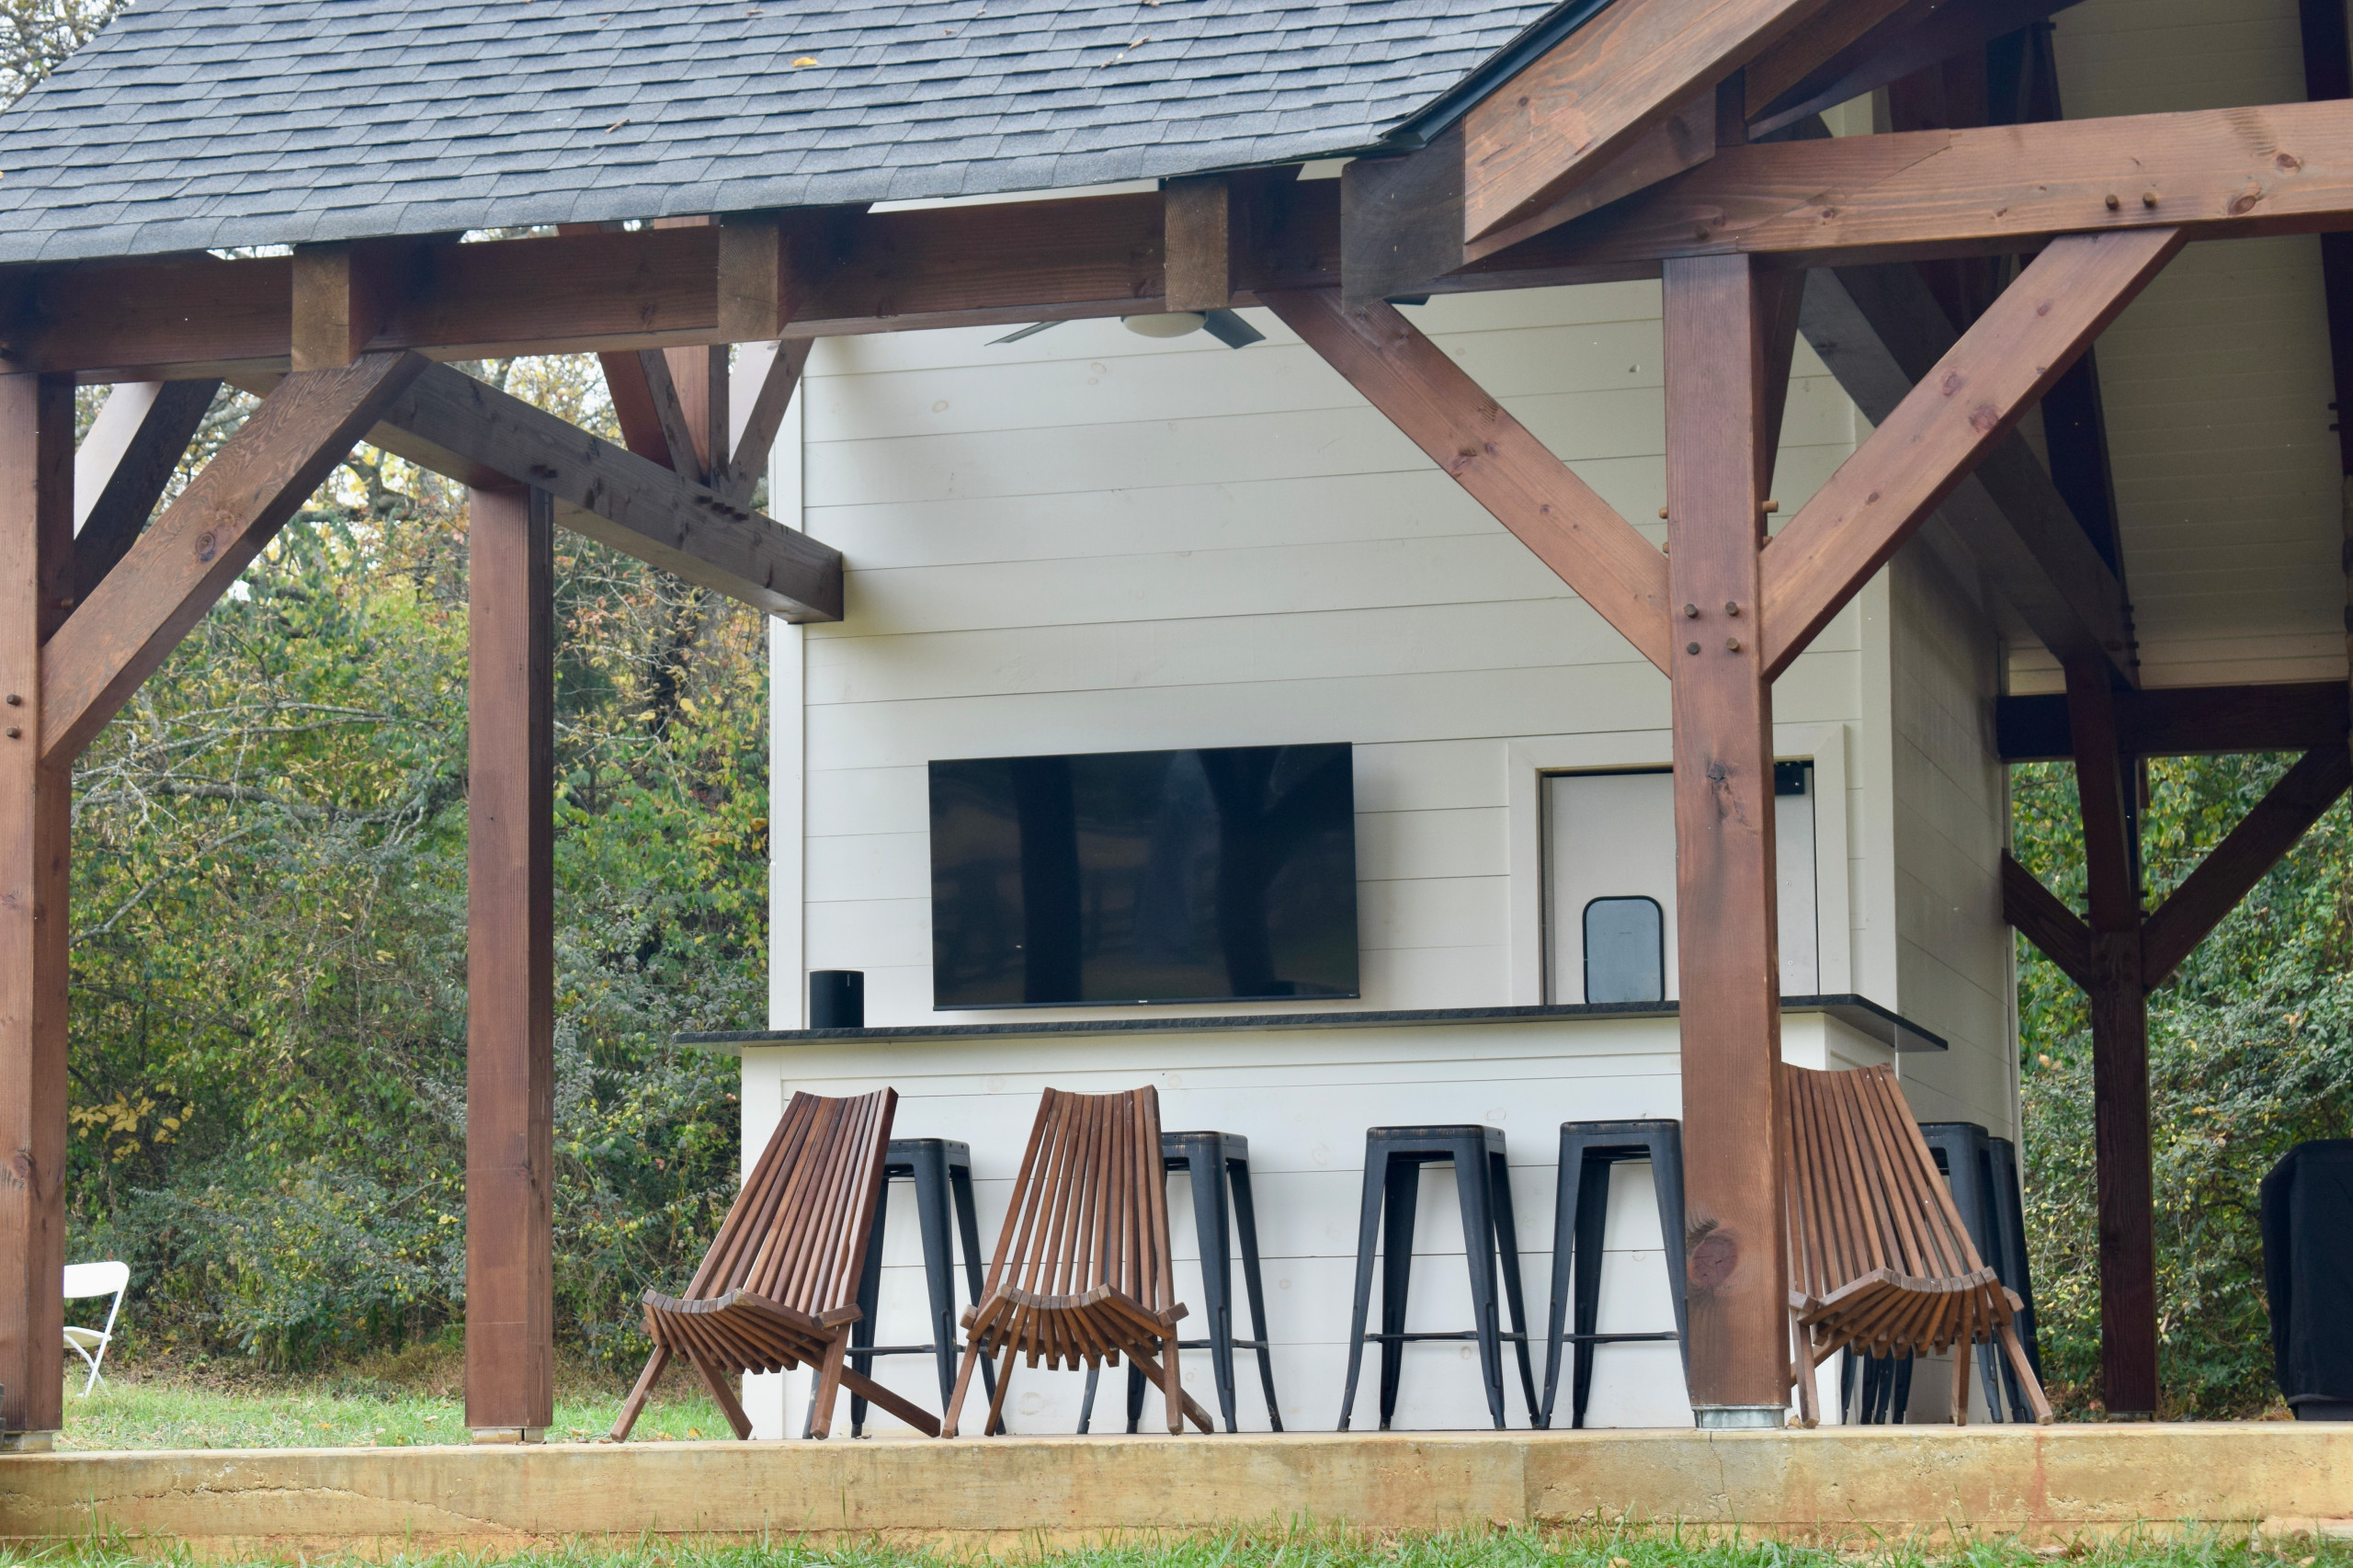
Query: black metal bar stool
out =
(941, 1170)
(2009, 1207)
(1393, 1158)
(1987, 1202)
(1219, 1165)
(1590, 1151)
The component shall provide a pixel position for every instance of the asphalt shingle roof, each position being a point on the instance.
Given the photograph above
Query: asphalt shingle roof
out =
(218, 123)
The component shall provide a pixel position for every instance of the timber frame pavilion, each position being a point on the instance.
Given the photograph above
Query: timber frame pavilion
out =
(1668, 139)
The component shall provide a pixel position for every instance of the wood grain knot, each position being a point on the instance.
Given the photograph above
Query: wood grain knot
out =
(1713, 1259)
(207, 547)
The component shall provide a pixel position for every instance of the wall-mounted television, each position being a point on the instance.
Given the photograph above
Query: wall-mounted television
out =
(1214, 875)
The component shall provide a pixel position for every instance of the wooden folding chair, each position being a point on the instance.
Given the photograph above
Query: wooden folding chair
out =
(1881, 1262)
(780, 1284)
(1082, 1274)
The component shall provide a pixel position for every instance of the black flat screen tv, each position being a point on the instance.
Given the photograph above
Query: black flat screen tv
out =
(1224, 875)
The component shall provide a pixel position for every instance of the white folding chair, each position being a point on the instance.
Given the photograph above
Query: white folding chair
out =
(86, 1280)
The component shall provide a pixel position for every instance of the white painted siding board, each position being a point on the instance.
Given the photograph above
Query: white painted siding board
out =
(1303, 1099)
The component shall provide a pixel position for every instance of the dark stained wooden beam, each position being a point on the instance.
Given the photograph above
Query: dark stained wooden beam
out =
(1880, 331)
(137, 615)
(1715, 358)
(457, 425)
(1493, 457)
(1686, 137)
(1973, 397)
(2044, 919)
(1916, 35)
(1198, 222)
(35, 807)
(637, 408)
(656, 380)
(132, 448)
(2245, 857)
(344, 292)
(1598, 91)
(510, 967)
(1995, 190)
(760, 417)
(2182, 721)
(1838, 32)
(2105, 787)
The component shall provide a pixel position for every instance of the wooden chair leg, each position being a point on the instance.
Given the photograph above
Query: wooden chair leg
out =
(1960, 1381)
(1802, 1368)
(2027, 1380)
(1172, 1391)
(637, 1395)
(721, 1395)
(1151, 1369)
(829, 1386)
(973, 1352)
(994, 1426)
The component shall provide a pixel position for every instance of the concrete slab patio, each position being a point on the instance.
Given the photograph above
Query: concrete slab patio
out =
(2046, 1485)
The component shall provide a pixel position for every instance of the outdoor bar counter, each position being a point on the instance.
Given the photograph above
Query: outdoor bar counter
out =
(1303, 1087)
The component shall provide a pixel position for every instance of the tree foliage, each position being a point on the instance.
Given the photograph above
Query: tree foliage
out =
(269, 1023)
(2250, 1052)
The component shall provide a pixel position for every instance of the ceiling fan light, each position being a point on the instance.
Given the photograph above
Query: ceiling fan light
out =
(1169, 323)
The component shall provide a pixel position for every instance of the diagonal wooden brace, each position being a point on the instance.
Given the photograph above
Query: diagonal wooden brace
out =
(2000, 368)
(1493, 456)
(132, 621)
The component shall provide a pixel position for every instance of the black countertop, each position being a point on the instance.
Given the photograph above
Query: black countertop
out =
(1858, 1013)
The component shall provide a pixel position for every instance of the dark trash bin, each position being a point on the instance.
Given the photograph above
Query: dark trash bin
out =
(2308, 1274)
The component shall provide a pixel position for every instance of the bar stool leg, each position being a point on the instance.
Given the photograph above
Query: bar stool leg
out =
(1479, 1252)
(1245, 1219)
(1404, 1185)
(1592, 1219)
(1507, 1257)
(861, 1332)
(1564, 1209)
(968, 1232)
(938, 1261)
(1666, 1180)
(1087, 1404)
(1368, 1226)
(1135, 1397)
(1210, 1224)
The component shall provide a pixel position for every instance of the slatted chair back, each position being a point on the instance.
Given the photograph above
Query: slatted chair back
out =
(779, 1287)
(797, 1231)
(1082, 1274)
(1880, 1260)
(1090, 1206)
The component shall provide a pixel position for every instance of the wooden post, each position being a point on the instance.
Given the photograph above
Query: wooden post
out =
(36, 591)
(2120, 1007)
(510, 969)
(1727, 941)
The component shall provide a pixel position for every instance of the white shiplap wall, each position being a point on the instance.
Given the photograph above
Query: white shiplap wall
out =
(1093, 541)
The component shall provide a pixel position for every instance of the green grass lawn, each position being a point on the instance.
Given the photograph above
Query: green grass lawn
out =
(390, 1402)
(1309, 1549)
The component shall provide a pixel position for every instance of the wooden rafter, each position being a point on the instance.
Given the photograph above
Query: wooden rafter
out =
(1915, 35)
(1600, 89)
(1967, 403)
(1493, 456)
(759, 416)
(133, 618)
(2008, 189)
